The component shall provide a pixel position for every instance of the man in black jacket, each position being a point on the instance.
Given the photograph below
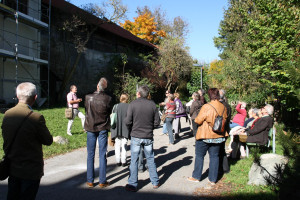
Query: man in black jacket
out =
(142, 118)
(97, 124)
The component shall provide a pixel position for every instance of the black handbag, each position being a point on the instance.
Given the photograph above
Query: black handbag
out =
(219, 124)
(5, 163)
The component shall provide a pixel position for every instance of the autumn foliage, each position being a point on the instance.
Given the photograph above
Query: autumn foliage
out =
(145, 28)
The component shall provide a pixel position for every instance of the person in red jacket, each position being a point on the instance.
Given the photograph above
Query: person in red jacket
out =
(239, 118)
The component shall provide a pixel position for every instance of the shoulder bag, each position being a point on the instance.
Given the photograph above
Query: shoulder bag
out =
(219, 123)
(69, 111)
(5, 163)
(114, 117)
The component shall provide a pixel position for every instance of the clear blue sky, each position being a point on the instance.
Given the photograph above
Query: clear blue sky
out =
(203, 16)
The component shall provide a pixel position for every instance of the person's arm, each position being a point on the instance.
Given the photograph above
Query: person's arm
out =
(192, 109)
(156, 118)
(129, 117)
(202, 115)
(43, 133)
(260, 126)
(177, 106)
(71, 100)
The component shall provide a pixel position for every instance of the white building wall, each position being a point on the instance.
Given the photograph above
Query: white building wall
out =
(28, 44)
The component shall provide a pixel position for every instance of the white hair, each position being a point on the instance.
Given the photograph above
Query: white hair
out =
(269, 108)
(25, 91)
(222, 94)
(102, 84)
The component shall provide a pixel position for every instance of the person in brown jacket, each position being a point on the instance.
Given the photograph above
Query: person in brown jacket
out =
(207, 139)
(26, 153)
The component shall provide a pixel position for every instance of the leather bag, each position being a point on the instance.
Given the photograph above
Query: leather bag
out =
(69, 113)
(164, 116)
(219, 123)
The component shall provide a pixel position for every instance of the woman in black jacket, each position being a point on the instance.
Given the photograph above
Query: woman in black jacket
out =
(194, 111)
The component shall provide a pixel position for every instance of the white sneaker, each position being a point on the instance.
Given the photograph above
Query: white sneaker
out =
(69, 134)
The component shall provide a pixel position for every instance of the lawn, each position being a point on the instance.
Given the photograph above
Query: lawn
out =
(57, 125)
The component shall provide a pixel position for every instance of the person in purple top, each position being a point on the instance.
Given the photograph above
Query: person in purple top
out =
(180, 112)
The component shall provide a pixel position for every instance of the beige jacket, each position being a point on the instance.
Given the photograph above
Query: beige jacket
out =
(206, 118)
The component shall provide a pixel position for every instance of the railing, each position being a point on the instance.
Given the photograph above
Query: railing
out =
(26, 46)
(33, 8)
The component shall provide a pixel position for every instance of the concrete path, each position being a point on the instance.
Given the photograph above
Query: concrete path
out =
(65, 175)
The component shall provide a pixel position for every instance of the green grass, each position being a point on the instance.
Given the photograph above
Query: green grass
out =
(57, 125)
(238, 179)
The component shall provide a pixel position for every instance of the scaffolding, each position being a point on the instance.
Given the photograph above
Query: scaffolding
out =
(25, 45)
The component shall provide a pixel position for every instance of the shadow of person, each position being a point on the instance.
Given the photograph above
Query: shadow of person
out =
(168, 170)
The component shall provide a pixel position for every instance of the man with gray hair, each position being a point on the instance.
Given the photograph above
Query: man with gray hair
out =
(259, 132)
(97, 124)
(142, 117)
(24, 132)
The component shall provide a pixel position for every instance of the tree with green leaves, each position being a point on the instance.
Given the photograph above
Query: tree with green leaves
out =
(259, 43)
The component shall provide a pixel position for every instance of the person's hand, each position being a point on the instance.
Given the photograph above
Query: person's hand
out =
(79, 100)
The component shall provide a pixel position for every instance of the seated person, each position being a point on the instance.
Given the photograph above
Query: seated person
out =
(253, 115)
(259, 131)
(239, 118)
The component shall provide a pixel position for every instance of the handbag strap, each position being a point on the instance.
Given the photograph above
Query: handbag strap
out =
(216, 110)
(15, 135)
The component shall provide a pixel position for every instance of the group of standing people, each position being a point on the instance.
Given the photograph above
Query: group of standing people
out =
(135, 121)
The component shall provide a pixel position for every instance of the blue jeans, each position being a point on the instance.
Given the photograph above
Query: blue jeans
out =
(91, 146)
(170, 129)
(21, 188)
(200, 151)
(232, 125)
(135, 148)
(165, 128)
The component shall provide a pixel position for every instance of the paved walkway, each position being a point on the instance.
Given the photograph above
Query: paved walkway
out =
(65, 175)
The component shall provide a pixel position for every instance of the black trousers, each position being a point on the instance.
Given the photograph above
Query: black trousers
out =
(22, 189)
(223, 162)
(195, 127)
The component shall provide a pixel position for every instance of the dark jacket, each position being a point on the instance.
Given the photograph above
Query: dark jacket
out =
(121, 129)
(142, 117)
(228, 115)
(26, 154)
(195, 109)
(259, 133)
(97, 111)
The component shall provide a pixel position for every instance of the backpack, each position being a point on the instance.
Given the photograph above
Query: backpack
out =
(219, 124)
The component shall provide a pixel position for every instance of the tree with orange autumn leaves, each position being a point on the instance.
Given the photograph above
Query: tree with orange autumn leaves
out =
(145, 28)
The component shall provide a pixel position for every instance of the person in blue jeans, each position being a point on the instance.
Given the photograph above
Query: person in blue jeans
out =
(171, 113)
(142, 117)
(97, 124)
(207, 140)
(165, 131)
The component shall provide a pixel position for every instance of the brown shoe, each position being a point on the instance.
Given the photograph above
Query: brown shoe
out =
(90, 185)
(103, 185)
(156, 186)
